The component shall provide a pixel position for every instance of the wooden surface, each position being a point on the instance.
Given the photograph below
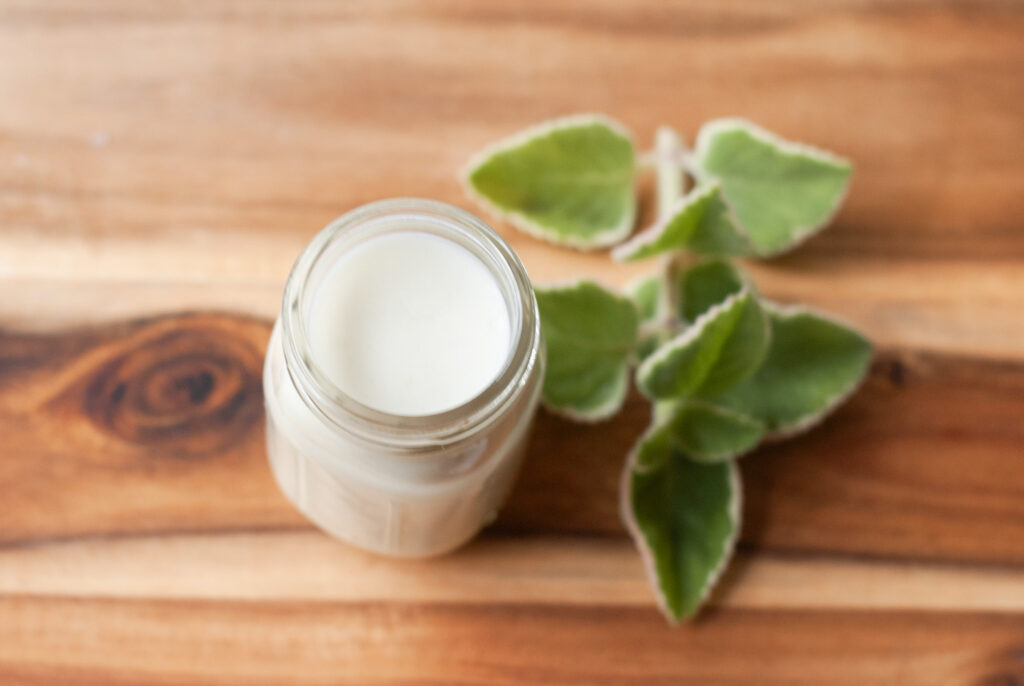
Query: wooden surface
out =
(161, 165)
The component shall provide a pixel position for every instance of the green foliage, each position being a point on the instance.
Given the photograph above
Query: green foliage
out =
(699, 223)
(590, 333)
(812, 365)
(651, 297)
(684, 517)
(569, 181)
(705, 284)
(722, 347)
(723, 368)
(779, 192)
(710, 433)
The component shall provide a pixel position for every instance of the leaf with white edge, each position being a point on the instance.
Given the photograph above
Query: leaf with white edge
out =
(590, 333)
(724, 346)
(684, 517)
(705, 284)
(569, 181)
(777, 191)
(813, 364)
(651, 298)
(648, 343)
(708, 433)
(653, 447)
(699, 223)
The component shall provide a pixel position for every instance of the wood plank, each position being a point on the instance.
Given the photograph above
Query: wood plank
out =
(138, 427)
(923, 462)
(87, 641)
(147, 122)
(160, 161)
(508, 570)
(957, 306)
(156, 426)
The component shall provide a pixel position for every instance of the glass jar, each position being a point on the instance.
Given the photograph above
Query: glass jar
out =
(399, 485)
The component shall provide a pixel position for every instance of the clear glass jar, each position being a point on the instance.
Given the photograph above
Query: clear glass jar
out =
(399, 485)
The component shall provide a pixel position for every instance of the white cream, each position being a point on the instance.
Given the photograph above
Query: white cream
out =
(409, 324)
(419, 311)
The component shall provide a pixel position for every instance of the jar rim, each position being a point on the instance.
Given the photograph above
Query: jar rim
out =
(411, 433)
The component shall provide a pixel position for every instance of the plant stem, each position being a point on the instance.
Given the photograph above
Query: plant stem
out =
(668, 153)
(667, 149)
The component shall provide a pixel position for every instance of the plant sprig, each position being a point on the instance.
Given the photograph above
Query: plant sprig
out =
(723, 367)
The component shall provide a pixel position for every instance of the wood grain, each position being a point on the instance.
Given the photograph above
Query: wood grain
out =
(521, 570)
(162, 164)
(87, 641)
(106, 433)
(273, 120)
(145, 426)
(147, 429)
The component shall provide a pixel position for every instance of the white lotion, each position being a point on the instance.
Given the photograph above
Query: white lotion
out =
(423, 314)
(410, 324)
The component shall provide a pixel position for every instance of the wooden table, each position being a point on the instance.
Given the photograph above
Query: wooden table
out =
(162, 164)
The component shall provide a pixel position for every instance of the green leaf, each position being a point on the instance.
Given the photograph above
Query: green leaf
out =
(813, 364)
(647, 344)
(651, 298)
(724, 346)
(590, 333)
(654, 445)
(778, 192)
(648, 293)
(705, 284)
(704, 432)
(708, 433)
(569, 181)
(700, 223)
(684, 517)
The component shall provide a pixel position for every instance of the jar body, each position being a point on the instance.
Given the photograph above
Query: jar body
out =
(392, 516)
(410, 498)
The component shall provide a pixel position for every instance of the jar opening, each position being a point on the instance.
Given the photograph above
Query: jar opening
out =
(412, 431)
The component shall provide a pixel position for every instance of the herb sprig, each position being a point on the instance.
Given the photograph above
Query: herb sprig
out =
(724, 368)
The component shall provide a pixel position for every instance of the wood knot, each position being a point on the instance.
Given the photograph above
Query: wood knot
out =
(1004, 668)
(1000, 679)
(189, 390)
(897, 373)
